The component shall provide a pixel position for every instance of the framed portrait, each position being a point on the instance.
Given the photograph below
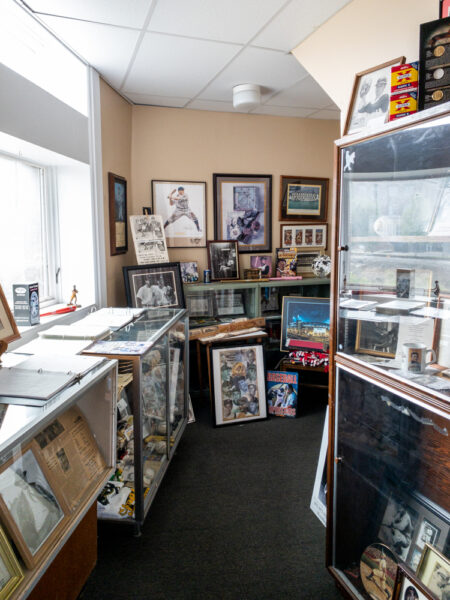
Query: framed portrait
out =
(263, 263)
(10, 572)
(200, 305)
(434, 55)
(238, 384)
(404, 283)
(282, 393)
(8, 327)
(434, 572)
(305, 259)
(154, 286)
(378, 338)
(369, 102)
(243, 210)
(30, 509)
(305, 324)
(303, 236)
(117, 194)
(223, 259)
(444, 9)
(303, 198)
(408, 586)
(189, 271)
(182, 206)
(229, 303)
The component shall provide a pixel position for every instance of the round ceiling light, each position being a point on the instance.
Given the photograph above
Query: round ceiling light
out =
(246, 96)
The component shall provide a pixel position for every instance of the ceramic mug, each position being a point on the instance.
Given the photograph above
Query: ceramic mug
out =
(414, 357)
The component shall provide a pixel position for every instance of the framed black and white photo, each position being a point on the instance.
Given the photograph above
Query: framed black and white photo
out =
(200, 305)
(243, 210)
(397, 526)
(154, 286)
(182, 206)
(223, 259)
(404, 283)
(377, 338)
(117, 195)
(189, 271)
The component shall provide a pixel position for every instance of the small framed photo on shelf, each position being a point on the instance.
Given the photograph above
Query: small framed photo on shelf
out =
(154, 286)
(189, 271)
(238, 384)
(147, 210)
(242, 210)
(303, 236)
(8, 327)
(263, 263)
(376, 338)
(10, 569)
(223, 259)
(182, 206)
(305, 324)
(441, 339)
(409, 587)
(229, 303)
(117, 194)
(303, 198)
(305, 259)
(404, 283)
(434, 572)
(369, 103)
(286, 262)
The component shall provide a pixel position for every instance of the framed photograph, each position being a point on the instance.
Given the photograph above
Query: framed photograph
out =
(369, 103)
(393, 531)
(154, 286)
(263, 263)
(117, 194)
(404, 283)
(282, 393)
(409, 587)
(303, 236)
(303, 198)
(444, 9)
(229, 303)
(10, 572)
(8, 327)
(200, 305)
(319, 496)
(147, 210)
(441, 341)
(223, 259)
(378, 338)
(243, 210)
(189, 271)
(305, 259)
(149, 239)
(238, 384)
(305, 324)
(30, 508)
(182, 206)
(252, 274)
(434, 572)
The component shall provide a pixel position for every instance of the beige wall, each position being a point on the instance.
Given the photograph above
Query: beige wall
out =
(116, 151)
(365, 33)
(190, 145)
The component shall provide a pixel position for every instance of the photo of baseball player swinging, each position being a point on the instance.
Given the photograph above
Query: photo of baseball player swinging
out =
(182, 207)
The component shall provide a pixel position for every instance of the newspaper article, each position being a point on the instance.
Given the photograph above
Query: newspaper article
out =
(149, 239)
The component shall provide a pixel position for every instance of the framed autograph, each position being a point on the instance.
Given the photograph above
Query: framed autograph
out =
(303, 198)
(117, 193)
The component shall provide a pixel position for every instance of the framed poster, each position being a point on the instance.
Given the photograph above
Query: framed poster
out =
(303, 198)
(282, 393)
(8, 327)
(243, 210)
(305, 324)
(154, 286)
(303, 236)
(117, 194)
(239, 384)
(182, 206)
(223, 259)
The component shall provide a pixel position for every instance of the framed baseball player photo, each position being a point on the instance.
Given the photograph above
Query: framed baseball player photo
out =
(182, 206)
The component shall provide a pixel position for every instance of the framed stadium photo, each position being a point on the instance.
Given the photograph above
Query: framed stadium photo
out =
(182, 206)
(305, 324)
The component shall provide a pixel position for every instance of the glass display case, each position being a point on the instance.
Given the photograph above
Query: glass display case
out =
(152, 409)
(389, 453)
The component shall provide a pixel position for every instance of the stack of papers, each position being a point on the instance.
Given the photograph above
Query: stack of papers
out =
(47, 346)
(76, 331)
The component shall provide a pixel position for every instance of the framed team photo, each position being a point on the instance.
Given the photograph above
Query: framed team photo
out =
(182, 206)
(303, 199)
(154, 286)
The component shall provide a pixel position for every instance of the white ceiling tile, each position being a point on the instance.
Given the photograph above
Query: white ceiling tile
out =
(231, 20)
(211, 105)
(131, 13)
(295, 22)
(332, 115)
(171, 101)
(176, 66)
(306, 93)
(282, 111)
(105, 47)
(268, 68)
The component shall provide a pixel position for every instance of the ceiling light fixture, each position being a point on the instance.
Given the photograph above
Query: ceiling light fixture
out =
(246, 96)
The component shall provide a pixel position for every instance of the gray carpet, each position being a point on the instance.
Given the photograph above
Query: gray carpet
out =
(231, 520)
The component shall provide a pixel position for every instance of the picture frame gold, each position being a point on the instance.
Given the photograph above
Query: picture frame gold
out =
(432, 564)
(10, 565)
(8, 327)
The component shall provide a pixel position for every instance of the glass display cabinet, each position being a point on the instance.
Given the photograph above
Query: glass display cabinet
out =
(389, 452)
(152, 409)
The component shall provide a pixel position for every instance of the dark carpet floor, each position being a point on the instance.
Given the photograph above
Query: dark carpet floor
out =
(231, 520)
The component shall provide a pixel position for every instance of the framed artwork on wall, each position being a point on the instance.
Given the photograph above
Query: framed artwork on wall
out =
(243, 210)
(303, 198)
(117, 194)
(303, 236)
(154, 286)
(223, 259)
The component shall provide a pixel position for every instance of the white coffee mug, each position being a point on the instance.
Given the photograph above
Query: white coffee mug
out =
(414, 357)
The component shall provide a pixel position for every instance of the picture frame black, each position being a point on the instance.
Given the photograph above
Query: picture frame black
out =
(408, 586)
(223, 259)
(314, 316)
(433, 56)
(117, 197)
(303, 198)
(243, 210)
(162, 275)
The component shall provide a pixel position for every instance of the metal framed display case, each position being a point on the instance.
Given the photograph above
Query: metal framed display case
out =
(153, 411)
(54, 460)
(389, 451)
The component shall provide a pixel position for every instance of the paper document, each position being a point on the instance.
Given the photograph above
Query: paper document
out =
(23, 383)
(75, 365)
(76, 332)
(47, 346)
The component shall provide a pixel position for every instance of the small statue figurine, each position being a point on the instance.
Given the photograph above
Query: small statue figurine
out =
(73, 297)
(436, 291)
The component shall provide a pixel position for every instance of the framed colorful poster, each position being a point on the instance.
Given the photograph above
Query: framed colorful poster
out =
(305, 324)
(303, 236)
(242, 210)
(117, 193)
(239, 393)
(263, 263)
(303, 198)
(182, 206)
(282, 393)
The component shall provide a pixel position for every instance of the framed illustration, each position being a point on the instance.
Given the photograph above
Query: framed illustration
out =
(303, 198)
(30, 508)
(369, 103)
(189, 271)
(200, 305)
(229, 303)
(409, 587)
(149, 240)
(305, 259)
(154, 286)
(8, 327)
(305, 324)
(243, 210)
(238, 384)
(223, 259)
(117, 194)
(378, 338)
(182, 206)
(263, 263)
(10, 572)
(434, 572)
(444, 9)
(303, 236)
